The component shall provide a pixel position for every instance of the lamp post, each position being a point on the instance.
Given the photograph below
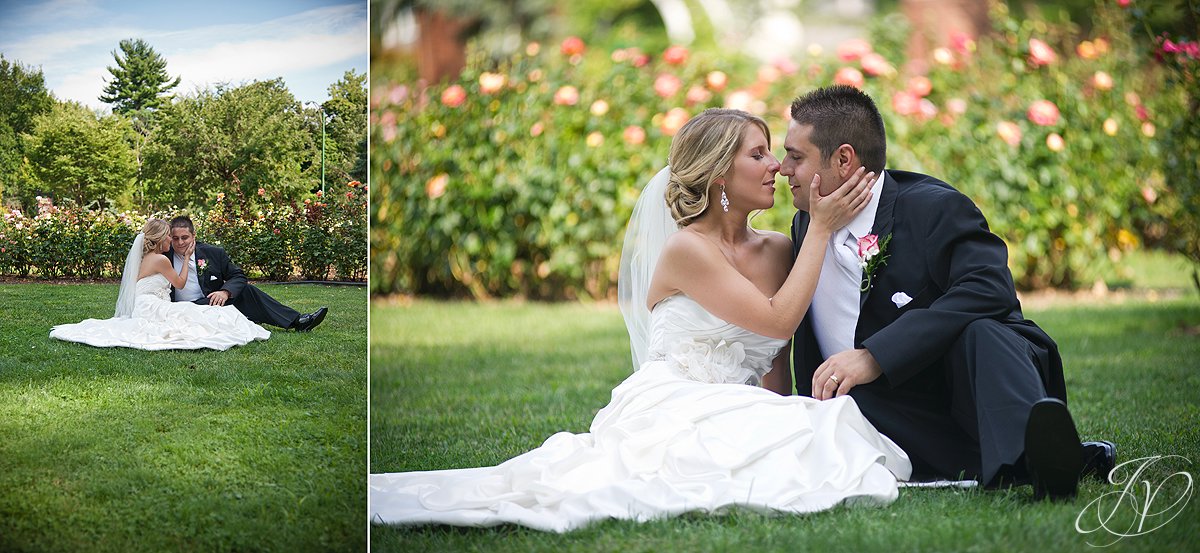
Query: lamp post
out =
(322, 110)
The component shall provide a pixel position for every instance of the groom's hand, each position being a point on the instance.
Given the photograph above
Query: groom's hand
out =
(843, 371)
(218, 298)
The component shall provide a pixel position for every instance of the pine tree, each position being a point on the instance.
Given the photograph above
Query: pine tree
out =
(140, 81)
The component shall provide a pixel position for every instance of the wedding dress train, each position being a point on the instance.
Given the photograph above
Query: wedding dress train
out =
(690, 431)
(157, 323)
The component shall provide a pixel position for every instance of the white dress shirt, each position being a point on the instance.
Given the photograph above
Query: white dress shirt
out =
(191, 291)
(835, 304)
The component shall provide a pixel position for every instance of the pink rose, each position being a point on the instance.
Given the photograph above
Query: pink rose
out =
(666, 85)
(1043, 112)
(921, 86)
(868, 246)
(566, 96)
(905, 102)
(876, 65)
(1041, 53)
(853, 49)
(849, 76)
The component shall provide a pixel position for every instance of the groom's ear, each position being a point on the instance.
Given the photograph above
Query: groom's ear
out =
(844, 159)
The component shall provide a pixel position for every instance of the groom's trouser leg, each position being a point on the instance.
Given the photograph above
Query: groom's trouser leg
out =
(261, 308)
(995, 377)
(916, 415)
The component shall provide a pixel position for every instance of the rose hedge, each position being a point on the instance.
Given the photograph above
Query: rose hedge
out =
(319, 239)
(518, 179)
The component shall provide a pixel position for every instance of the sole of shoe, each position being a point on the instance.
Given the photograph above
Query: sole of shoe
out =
(1053, 451)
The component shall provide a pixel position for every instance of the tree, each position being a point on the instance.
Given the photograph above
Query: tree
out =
(345, 129)
(228, 140)
(75, 154)
(140, 81)
(24, 96)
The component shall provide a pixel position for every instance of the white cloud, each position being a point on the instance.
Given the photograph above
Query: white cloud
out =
(297, 47)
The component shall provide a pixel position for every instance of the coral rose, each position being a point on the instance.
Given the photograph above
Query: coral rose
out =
(921, 86)
(454, 96)
(572, 46)
(674, 120)
(675, 55)
(634, 135)
(1102, 80)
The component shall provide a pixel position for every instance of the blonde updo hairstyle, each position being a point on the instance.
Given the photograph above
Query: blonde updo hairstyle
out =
(154, 232)
(701, 153)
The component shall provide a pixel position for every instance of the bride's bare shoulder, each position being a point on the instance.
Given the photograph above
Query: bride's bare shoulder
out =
(687, 245)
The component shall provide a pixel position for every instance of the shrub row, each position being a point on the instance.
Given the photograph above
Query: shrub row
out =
(318, 239)
(518, 179)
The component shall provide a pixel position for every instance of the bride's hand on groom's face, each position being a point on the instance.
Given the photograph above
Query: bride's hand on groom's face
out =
(843, 371)
(843, 204)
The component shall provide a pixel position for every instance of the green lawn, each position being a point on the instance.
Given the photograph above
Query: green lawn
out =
(259, 448)
(458, 384)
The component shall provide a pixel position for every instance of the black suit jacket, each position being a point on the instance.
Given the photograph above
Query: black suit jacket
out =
(219, 272)
(945, 258)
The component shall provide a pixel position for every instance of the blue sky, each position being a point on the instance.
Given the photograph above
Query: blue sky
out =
(310, 43)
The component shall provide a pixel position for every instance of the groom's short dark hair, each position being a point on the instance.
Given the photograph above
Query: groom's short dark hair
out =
(183, 221)
(842, 114)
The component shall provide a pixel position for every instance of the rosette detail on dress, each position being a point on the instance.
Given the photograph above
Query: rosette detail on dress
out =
(702, 361)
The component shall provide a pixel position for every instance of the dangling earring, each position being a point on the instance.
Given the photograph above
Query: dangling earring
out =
(724, 200)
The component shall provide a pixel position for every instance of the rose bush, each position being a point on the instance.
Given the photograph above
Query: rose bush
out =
(518, 179)
(317, 239)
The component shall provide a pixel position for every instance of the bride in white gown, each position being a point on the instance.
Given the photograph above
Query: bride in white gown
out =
(701, 425)
(146, 318)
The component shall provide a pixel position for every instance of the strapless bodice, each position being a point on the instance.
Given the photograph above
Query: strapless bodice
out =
(702, 347)
(154, 285)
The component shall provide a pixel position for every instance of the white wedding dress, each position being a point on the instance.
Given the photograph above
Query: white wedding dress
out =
(690, 431)
(157, 323)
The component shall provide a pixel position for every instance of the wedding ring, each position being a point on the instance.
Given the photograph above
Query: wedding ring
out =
(835, 379)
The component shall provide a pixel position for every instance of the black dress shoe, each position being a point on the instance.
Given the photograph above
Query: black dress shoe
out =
(1053, 453)
(1099, 458)
(310, 321)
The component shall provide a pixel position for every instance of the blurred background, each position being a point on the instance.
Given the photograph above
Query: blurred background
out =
(510, 139)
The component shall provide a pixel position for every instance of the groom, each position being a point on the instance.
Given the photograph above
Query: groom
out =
(214, 279)
(926, 334)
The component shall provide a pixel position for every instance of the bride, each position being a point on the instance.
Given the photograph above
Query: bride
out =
(710, 304)
(147, 319)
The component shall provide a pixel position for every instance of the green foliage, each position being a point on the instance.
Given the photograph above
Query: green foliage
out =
(140, 79)
(345, 130)
(489, 187)
(24, 96)
(314, 239)
(232, 140)
(76, 154)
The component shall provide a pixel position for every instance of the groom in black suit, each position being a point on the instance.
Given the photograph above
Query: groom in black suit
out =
(916, 317)
(214, 279)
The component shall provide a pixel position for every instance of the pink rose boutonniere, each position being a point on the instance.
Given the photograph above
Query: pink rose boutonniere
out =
(201, 264)
(871, 256)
